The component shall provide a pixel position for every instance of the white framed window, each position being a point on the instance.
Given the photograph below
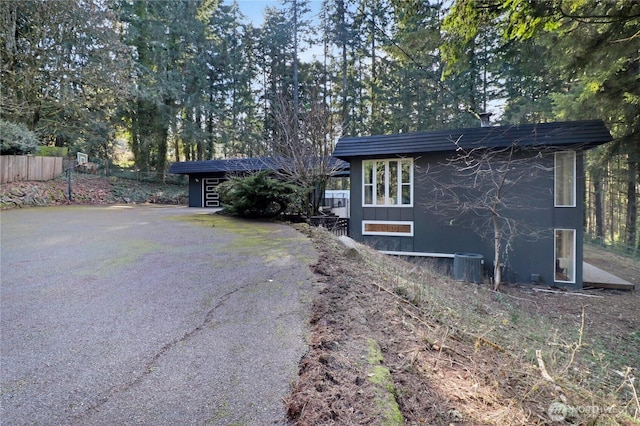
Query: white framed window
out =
(565, 179)
(387, 183)
(387, 227)
(565, 255)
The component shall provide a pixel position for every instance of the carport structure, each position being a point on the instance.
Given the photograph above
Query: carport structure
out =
(205, 176)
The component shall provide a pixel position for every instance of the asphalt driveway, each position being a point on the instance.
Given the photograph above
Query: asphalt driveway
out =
(149, 315)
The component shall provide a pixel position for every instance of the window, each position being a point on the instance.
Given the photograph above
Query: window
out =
(565, 259)
(387, 182)
(565, 179)
(394, 228)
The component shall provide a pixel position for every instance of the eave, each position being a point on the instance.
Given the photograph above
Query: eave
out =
(573, 134)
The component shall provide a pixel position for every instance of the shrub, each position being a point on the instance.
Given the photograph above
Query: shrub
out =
(52, 151)
(257, 196)
(16, 139)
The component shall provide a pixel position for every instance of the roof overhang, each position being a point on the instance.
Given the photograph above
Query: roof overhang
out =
(572, 134)
(246, 165)
(233, 165)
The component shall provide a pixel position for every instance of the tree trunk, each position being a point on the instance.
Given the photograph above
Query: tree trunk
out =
(9, 28)
(296, 106)
(343, 41)
(211, 154)
(632, 203)
(611, 203)
(176, 142)
(198, 132)
(163, 140)
(597, 204)
(374, 77)
(161, 162)
(497, 248)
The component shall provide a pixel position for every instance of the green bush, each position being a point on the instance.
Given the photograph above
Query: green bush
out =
(257, 196)
(16, 139)
(52, 151)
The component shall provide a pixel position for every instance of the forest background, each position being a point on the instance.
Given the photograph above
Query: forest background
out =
(181, 80)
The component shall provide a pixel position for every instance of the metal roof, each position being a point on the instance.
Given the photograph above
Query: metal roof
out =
(228, 165)
(585, 134)
(236, 165)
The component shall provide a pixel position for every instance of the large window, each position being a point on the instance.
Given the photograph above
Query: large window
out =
(565, 255)
(565, 179)
(387, 182)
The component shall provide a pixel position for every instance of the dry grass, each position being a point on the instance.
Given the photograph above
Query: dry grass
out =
(462, 353)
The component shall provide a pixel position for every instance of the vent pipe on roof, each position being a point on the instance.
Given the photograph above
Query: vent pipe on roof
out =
(485, 119)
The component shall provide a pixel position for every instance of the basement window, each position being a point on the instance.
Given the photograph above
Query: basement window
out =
(391, 228)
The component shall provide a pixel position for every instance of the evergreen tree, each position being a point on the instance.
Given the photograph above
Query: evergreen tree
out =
(591, 48)
(425, 100)
(274, 50)
(63, 71)
(166, 38)
(232, 125)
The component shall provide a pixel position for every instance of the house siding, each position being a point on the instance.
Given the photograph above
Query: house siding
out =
(360, 213)
(530, 255)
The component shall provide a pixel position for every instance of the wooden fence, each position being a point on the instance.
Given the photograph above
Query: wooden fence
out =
(14, 168)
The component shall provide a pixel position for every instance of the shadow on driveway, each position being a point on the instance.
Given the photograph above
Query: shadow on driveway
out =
(149, 315)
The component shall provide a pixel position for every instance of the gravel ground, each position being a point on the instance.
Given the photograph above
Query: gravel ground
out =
(149, 315)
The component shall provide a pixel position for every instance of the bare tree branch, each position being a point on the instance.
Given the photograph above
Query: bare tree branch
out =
(303, 152)
(487, 189)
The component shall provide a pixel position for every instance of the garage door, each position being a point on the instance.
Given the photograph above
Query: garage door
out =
(210, 197)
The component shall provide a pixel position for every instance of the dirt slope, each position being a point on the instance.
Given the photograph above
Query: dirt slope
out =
(89, 189)
(461, 353)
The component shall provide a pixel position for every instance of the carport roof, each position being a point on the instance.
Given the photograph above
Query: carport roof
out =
(585, 134)
(236, 165)
(227, 165)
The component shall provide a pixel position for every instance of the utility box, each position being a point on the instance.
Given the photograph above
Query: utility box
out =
(468, 267)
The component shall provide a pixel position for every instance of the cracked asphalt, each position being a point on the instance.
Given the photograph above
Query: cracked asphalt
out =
(149, 315)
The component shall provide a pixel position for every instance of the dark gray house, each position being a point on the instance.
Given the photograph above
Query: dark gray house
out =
(205, 176)
(409, 196)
